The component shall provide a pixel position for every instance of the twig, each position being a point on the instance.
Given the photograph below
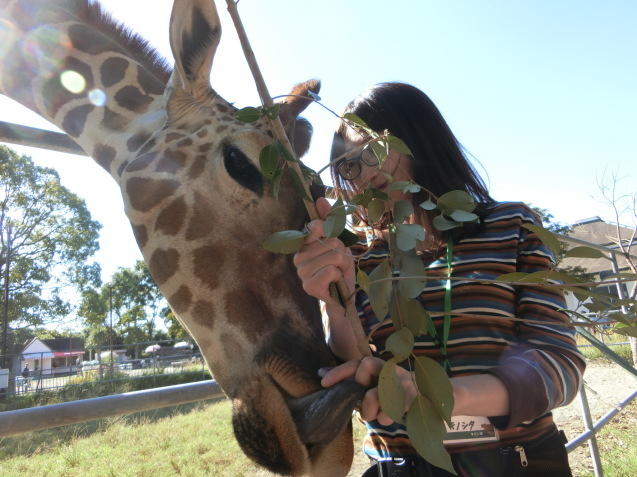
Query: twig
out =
(279, 132)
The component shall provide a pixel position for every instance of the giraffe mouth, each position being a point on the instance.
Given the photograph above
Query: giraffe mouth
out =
(311, 412)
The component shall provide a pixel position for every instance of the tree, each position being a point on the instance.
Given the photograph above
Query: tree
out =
(624, 206)
(47, 236)
(134, 302)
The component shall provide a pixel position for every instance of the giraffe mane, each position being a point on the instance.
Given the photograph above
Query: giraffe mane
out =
(136, 46)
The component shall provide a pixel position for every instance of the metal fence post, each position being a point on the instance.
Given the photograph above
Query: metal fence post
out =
(590, 427)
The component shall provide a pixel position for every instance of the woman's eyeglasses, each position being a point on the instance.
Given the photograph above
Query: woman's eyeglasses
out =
(350, 169)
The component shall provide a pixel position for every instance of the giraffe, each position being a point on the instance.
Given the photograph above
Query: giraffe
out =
(199, 208)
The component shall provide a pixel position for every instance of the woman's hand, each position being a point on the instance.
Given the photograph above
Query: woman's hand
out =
(322, 261)
(365, 372)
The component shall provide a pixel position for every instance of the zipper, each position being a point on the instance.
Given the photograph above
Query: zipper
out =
(523, 460)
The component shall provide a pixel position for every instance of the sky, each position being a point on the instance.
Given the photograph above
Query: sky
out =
(542, 94)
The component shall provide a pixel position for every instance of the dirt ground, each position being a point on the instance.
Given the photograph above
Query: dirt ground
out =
(606, 386)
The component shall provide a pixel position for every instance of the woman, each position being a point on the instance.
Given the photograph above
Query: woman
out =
(507, 372)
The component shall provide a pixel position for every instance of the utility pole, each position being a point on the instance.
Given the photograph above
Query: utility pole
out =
(110, 312)
(5, 303)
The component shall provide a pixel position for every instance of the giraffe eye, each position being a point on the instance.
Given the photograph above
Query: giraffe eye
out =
(242, 170)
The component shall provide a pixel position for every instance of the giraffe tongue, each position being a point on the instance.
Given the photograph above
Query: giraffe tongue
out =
(322, 415)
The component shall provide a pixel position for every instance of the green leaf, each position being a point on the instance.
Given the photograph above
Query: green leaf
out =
(398, 145)
(375, 210)
(379, 150)
(391, 393)
(456, 200)
(402, 210)
(285, 152)
(400, 343)
(409, 235)
(380, 291)
(548, 238)
(399, 185)
(275, 183)
(335, 220)
(463, 216)
(622, 275)
(585, 252)
(442, 224)
(411, 266)
(428, 205)
(426, 432)
(434, 384)
(412, 188)
(271, 112)
(348, 237)
(363, 280)
(269, 160)
(287, 241)
(298, 184)
(247, 115)
(626, 330)
(512, 277)
(408, 313)
(538, 277)
(353, 118)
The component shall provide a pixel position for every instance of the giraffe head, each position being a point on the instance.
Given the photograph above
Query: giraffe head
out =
(200, 209)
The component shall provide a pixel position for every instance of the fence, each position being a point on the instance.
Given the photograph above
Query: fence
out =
(49, 371)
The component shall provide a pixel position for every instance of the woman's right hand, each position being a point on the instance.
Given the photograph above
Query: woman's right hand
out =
(322, 261)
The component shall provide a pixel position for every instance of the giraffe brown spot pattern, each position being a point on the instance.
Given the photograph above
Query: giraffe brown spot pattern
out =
(104, 155)
(181, 300)
(141, 235)
(172, 217)
(112, 71)
(206, 261)
(200, 225)
(114, 121)
(145, 193)
(163, 264)
(172, 161)
(75, 120)
(131, 98)
(203, 312)
(137, 140)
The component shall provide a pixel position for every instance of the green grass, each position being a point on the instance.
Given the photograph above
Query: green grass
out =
(592, 353)
(190, 440)
(617, 444)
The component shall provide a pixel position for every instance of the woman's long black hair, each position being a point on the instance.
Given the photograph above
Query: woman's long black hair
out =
(440, 164)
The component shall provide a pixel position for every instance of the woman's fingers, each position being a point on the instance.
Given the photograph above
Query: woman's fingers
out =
(366, 372)
(322, 261)
(323, 207)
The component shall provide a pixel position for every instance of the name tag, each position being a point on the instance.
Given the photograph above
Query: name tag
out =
(469, 429)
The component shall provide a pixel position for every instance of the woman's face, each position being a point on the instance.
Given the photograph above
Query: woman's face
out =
(396, 167)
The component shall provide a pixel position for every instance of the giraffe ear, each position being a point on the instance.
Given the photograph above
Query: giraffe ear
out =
(195, 31)
(299, 130)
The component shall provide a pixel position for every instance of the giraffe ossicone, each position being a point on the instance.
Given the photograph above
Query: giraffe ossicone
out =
(199, 207)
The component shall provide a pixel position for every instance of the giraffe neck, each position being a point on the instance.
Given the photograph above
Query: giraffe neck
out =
(74, 66)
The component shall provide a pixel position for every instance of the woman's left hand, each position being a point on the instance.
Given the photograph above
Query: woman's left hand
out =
(365, 372)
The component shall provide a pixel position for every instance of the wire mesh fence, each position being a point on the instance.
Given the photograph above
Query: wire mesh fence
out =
(50, 370)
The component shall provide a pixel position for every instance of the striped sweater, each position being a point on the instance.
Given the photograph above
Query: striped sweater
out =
(538, 362)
